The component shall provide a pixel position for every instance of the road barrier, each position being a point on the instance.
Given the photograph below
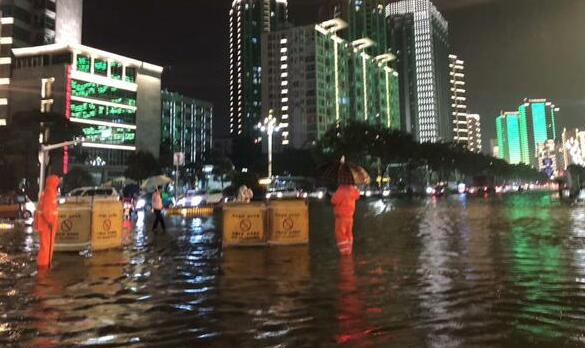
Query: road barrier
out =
(256, 224)
(106, 225)
(244, 224)
(84, 224)
(74, 227)
(191, 212)
(288, 222)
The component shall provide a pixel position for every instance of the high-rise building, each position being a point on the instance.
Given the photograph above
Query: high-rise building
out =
(116, 99)
(187, 126)
(458, 100)
(419, 38)
(508, 131)
(248, 20)
(33, 23)
(474, 133)
(325, 81)
(365, 18)
(538, 124)
(573, 147)
(549, 158)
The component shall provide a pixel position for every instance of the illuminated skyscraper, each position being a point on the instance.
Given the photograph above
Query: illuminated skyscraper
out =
(508, 131)
(33, 23)
(538, 124)
(458, 100)
(187, 126)
(248, 20)
(419, 38)
(315, 80)
(474, 132)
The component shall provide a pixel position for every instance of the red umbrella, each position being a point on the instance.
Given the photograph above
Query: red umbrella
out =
(344, 173)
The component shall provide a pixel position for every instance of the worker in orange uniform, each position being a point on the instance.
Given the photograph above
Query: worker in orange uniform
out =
(344, 206)
(47, 221)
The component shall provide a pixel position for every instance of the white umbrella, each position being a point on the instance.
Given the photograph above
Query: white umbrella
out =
(155, 181)
(121, 180)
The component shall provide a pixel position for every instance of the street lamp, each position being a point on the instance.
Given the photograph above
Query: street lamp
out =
(44, 158)
(269, 126)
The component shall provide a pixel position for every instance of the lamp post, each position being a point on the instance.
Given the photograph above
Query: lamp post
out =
(269, 126)
(44, 158)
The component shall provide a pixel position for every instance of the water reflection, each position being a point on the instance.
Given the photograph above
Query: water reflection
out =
(446, 272)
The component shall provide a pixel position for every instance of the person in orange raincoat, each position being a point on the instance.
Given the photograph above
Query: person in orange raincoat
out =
(344, 206)
(47, 221)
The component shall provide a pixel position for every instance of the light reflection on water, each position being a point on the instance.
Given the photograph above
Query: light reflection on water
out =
(452, 272)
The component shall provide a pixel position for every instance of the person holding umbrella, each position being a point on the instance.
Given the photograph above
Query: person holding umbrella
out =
(347, 176)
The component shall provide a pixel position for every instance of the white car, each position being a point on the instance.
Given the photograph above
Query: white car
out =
(285, 193)
(85, 193)
(193, 198)
(215, 197)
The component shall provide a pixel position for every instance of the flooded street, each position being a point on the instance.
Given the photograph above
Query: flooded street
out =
(456, 272)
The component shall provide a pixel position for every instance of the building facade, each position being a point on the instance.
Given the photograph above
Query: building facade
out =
(30, 23)
(325, 81)
(474, 133)
(116, 99)
(458, 100)
(186, 126)
(248, 20)
(538, 124)
(419, 39)
(508, 132)
(365, 18)
(573, 147)
(549, 158)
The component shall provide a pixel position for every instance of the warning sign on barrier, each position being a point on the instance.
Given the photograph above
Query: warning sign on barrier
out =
(74, 227)
(107, 222)
(243, 224)
(288, 222)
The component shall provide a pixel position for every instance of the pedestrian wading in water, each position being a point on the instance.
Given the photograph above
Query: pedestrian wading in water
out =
(157, 207)
(47, 222)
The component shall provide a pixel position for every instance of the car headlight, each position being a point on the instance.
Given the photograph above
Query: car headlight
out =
(268, 195)
(196, 200)
(279, 195)
(141, 203)
(61, 201)
(385, 193)
(305, 195)
(320, 195)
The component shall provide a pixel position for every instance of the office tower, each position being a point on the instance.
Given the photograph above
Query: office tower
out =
(325, 81)
(187, 126)
(508, 131)
(494, 148)
(548, 155)
(474, 133)
(116, 99)
(248, 20)
(458, 100)
(33, 23)
(573, 147)
(419, 38)
(538, 124)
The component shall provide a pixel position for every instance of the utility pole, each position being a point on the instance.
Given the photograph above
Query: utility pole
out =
(44, 158)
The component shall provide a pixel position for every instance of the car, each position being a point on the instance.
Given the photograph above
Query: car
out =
(193, 198)
(14, 207)
(84, 193)
(284, 193)
(319, 193)
(215, 196)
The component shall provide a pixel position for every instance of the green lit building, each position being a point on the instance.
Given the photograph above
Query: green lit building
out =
(538, 125)
(365, 18)
(187, 126)
(508, 131)
(314, 79)
(248, 20)
(116, 99)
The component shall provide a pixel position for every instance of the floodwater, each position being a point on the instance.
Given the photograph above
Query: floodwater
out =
(454, 272)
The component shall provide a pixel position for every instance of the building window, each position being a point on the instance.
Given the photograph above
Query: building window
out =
(100, 67)
(83, 63)
(47, 87)
(46, 105)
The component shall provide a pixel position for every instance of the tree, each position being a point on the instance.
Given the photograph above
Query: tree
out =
(19, 144)
(77, 177)
(142, 165)
(222, 165)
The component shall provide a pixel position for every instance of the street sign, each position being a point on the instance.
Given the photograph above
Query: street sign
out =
(179, 159)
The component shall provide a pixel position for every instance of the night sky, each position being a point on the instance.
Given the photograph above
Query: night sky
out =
(512, 48)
